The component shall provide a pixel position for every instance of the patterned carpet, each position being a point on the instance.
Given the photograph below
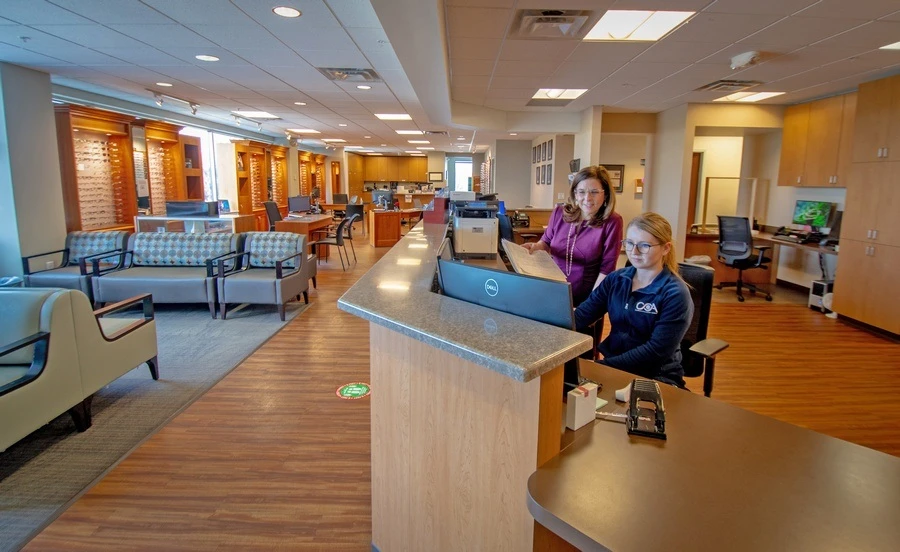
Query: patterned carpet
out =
(43, 473)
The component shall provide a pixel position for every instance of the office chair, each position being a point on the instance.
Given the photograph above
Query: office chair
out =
(354, 200)
(698, 353)
(359, 210)
(337, 240)
(340, 198)
(348, 233)
(273, 214)
(736, 251)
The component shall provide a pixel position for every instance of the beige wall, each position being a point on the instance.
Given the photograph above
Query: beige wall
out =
(721, 158)
(32, 218)
(628, 150)
(587, 140)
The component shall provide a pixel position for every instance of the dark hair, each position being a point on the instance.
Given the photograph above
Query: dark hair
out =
(571, 210)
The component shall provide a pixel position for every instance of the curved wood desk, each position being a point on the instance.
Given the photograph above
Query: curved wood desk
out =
(726, 479)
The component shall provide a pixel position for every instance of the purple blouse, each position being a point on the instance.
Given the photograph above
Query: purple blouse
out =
(583, 252)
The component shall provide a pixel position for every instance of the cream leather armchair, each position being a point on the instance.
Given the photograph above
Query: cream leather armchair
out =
(57, 352)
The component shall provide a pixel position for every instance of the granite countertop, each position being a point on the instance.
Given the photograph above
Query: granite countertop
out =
(396, 293)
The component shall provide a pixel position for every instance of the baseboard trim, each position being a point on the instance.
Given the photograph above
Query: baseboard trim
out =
(791, 285)
(892, 337)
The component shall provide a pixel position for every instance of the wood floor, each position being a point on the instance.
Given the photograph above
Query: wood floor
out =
(271, 459)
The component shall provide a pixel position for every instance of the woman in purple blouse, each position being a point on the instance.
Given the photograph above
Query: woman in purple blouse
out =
(584, 234)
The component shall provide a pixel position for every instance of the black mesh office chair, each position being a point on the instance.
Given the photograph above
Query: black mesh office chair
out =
(337, 240)
(273, 213)
(340, 198)
(736, 251)
(698, 353)
(357, 210)
(348, 232)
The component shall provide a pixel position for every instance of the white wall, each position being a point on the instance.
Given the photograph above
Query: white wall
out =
(667, 187)
(32, 217)
(628, 150)
(513, 176)
(436, 163)
(721, 158)
(587, 140)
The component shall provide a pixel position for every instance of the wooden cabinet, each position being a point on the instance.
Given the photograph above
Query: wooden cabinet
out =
(863, 286)
(395, 169)
(872, 204)
(878, 121)
(817, 141)
(193, 167)
(355, 174)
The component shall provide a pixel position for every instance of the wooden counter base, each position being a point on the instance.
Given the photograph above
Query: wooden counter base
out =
(384, 228)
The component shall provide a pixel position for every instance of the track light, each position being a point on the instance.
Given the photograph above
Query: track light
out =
(237, 120)
(159, 99)
(259, 127)
(194, 108)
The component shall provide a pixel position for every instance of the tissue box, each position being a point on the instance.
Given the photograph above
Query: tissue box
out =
(581, 404)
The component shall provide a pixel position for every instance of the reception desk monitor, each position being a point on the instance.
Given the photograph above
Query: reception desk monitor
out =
(816, 214)
(538, 299)
(299, 204)
(383, 197)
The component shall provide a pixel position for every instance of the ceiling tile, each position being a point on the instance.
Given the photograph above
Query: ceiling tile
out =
(537, 50)
(336, 58)
(774, 7)
(720, 27)
(355, 13)
(477, 22)
(323, 38)
(679, 52)
(475, 48)
(608, 51)
(533, 82)
(480, 81)
(201, 12)
(510, 93)
(674, 5)
(165, 35)
(91, 36)
(856, 9)
(643, 74)
(795, 32)
(525, 68)
(141, 56)
(581, 75)
(31, 12)
(275, 57)
(482, 3)
(471, 67)
(19, 56)
(865, 37)
(238, 36)
(111, 12)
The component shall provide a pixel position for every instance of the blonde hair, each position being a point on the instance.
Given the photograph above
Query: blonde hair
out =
(657, 226)
(571, 210)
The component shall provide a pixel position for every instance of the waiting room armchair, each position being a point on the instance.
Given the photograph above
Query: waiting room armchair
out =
(272, 275)
(698, 353)
(73, 271)
(736, 251)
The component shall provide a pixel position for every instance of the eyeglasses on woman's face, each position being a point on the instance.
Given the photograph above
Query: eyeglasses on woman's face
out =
(642, 247)
(583, 193)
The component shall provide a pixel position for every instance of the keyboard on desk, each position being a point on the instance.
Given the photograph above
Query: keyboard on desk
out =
(787, 238)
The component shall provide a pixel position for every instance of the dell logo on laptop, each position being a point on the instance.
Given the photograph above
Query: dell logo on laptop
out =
(491, 287)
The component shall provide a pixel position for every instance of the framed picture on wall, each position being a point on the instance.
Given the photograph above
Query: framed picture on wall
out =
(550, 150)
(544, 151)
(550, 173)
(537, 175)
(616, 177)
(532, 156)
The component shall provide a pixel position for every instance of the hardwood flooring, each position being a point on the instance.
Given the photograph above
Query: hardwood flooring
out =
(271, 459)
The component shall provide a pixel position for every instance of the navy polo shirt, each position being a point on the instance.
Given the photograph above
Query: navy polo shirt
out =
(646, 326)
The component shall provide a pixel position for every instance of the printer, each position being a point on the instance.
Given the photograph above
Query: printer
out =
(475, 228)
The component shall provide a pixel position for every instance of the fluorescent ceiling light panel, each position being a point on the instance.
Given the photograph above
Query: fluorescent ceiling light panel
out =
(636, 25)
(299, 103)
(393, 116)
(410, 132)
(418, 141)
(303, 131)
(363, 86)
(333, 140)
(411, 152)
(894, 46)
(342, 124)
(165, 84)
(256, 114)
(748, 97)
(352, 147)
(424, 148)
(558, 93)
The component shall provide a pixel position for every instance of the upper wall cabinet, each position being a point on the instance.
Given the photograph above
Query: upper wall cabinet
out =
(877, 137)
(817, 142)
(396, 169)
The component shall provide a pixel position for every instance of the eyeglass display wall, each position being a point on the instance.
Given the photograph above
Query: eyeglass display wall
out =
(278, 176)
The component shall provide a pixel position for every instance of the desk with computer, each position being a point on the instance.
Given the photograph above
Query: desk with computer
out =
(814, 222)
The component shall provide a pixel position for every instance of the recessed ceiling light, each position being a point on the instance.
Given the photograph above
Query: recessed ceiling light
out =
(558, 93)
(513, 134)
(424, 148)
(636, 25)
(342, 124)
(255, 114)
(204, 57)
(747, 97)
(363, 86)
(418, 141)
(285, 11)
(393, 116)
(410, 132)
(303, 131)
(366, 136)
(416, 152)
(166, 84)
(299, 103)
(383, 145)
(333, 140)
(461, 138)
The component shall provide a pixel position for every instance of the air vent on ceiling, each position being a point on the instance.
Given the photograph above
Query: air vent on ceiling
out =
(347, 74)
(437, 133)
(728, 85)
(544, 24)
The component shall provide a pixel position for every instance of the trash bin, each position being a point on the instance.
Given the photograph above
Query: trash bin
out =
(11, 281)
(704, 260)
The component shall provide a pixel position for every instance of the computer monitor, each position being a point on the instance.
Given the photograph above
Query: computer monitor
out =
(224, 206)
(298, 204)
(812, 213)
(341, 198)
(383, 196)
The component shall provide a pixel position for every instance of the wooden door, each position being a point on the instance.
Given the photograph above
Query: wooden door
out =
(861, 203)
(823, 142)
(403, 169)
(851, 298)
(418, 169)
(845, 149)
(893, 118)
(881, 282)
(793, 145)
(392, 168)
(886, 198)
(335, 178)
(873, 104)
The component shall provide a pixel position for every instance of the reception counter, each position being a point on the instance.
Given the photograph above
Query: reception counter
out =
(465, 406)
(226, 222)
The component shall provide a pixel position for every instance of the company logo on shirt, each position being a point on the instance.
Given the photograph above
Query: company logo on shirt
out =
(491, 287)
(649, 308)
